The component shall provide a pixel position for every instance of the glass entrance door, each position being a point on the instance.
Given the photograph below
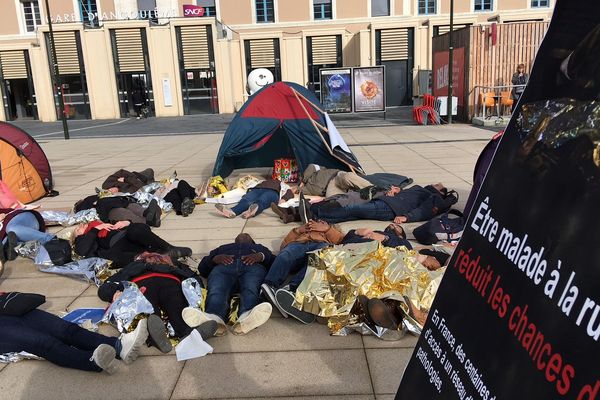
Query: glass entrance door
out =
(135, 93)
(199, 91)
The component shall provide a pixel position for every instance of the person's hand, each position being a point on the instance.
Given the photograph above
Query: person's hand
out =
(302, 229)
(316, 199)
(394, 190)
(364, 232)
(116, 295)
(108, 227)
(113, 190)
(281, 201)
(121, 224)
(223, 259)
(318, 226)
(400, 219)
(121, 179)
(253, 258)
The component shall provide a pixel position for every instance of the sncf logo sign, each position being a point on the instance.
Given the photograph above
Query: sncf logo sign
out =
(190, 10)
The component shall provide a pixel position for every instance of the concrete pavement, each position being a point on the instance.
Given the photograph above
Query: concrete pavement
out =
(282, 359)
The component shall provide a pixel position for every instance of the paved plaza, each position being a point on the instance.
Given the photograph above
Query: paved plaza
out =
(282, 359)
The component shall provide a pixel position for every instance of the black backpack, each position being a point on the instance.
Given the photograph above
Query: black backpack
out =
(59, 251)
(441, 227)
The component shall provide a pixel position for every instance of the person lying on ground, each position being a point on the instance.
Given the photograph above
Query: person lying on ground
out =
(124, 181)
(181, 195)
(122, 242)
(292, 259)
(321, 181)
(258, 198)
(241, 265)
(392, 236)
(121, 208)
(407, 205)
(159, 279)
(21, 225)
(66, 344)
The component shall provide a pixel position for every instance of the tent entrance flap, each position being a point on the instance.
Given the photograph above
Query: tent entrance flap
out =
(278, 146)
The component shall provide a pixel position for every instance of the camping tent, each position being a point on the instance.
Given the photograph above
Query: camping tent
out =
(283, 120)
(23, 164)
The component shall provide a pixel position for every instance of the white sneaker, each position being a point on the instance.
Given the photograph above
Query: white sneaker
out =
(132, 342)
(105, 357)
(252, 319)
(194, 317)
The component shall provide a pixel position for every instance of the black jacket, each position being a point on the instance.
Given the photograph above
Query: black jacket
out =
(392, 241)
(103, 205)
(237, 250)
(419, 203)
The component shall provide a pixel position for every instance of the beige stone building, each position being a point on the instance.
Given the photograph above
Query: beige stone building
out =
(184, 60)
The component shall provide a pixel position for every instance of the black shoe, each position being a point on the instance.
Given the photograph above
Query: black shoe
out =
(269, 295)
(12, 242)
(207, 329)
(179, 252)
(157, 334)
(305, 214)
(285, 300)
(153, 213)
(187, 206)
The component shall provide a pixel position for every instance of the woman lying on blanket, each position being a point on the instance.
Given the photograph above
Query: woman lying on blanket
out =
(122, 242)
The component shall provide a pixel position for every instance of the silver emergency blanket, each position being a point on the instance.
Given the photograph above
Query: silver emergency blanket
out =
(94, 270)
(382, 333)
(192, 290)
(68, 219)
(128, 308)
(14, 357)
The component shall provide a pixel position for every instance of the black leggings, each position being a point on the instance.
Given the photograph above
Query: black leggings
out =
(137, 239)
(176, 195)
(165, 295)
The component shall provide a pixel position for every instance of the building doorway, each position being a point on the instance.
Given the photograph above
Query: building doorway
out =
(17, 86)
(197, 70)
(132, 66)
(395, 50)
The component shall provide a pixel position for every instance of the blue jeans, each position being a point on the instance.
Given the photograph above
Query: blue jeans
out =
(262, 197)
(375, 209)
(291, 260)
(26, 226)
(225, 280)
(58, 341)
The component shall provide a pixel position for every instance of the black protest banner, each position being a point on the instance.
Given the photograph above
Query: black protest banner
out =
(517, 315)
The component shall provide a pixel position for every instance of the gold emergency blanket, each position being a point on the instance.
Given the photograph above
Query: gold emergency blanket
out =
(337, 275)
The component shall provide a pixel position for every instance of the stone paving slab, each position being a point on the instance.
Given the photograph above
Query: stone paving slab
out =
(282, 359)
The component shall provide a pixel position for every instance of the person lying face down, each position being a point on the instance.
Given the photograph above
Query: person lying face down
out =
(407, 205)
(159, 279)
(243, 265)
(122, 242)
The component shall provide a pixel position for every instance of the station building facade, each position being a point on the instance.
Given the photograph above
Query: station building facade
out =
(194, 56)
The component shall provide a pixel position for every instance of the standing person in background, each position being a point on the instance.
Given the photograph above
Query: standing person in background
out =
(519, 80)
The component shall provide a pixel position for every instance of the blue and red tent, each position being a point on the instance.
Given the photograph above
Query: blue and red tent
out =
(282, 120)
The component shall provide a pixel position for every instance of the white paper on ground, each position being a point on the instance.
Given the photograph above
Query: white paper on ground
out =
(193, 346)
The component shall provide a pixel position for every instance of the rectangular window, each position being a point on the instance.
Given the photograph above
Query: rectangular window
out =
(380, 8)
(31, 11)
(322, 9)
(265, 11)
(88, 10)
(210, 10)
(147, 10)
(484, 5)
(427, 7)
(540, 3)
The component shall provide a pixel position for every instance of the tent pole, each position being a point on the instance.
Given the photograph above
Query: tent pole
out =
(309, 102)
(306, 111)
(314, 124)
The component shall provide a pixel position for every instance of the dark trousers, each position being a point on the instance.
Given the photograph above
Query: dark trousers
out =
(261, 197)
(291, 260)
(225, 280)
(374, 209)
(133, 212)
(45, 335)
(137, 239)
(176, 195)
(165, 295)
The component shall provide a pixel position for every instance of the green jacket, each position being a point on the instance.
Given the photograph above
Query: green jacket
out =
(317, 178)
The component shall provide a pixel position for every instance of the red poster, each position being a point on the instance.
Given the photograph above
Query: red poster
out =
(440, 74)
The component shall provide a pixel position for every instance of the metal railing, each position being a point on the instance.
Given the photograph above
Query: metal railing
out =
(498, 93)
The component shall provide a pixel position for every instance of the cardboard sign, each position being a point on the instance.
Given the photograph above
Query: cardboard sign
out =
(517, 315)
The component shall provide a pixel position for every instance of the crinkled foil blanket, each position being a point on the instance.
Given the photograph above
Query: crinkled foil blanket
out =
(337, 275)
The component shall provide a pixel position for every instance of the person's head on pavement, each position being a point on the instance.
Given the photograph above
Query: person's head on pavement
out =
(244, 238)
